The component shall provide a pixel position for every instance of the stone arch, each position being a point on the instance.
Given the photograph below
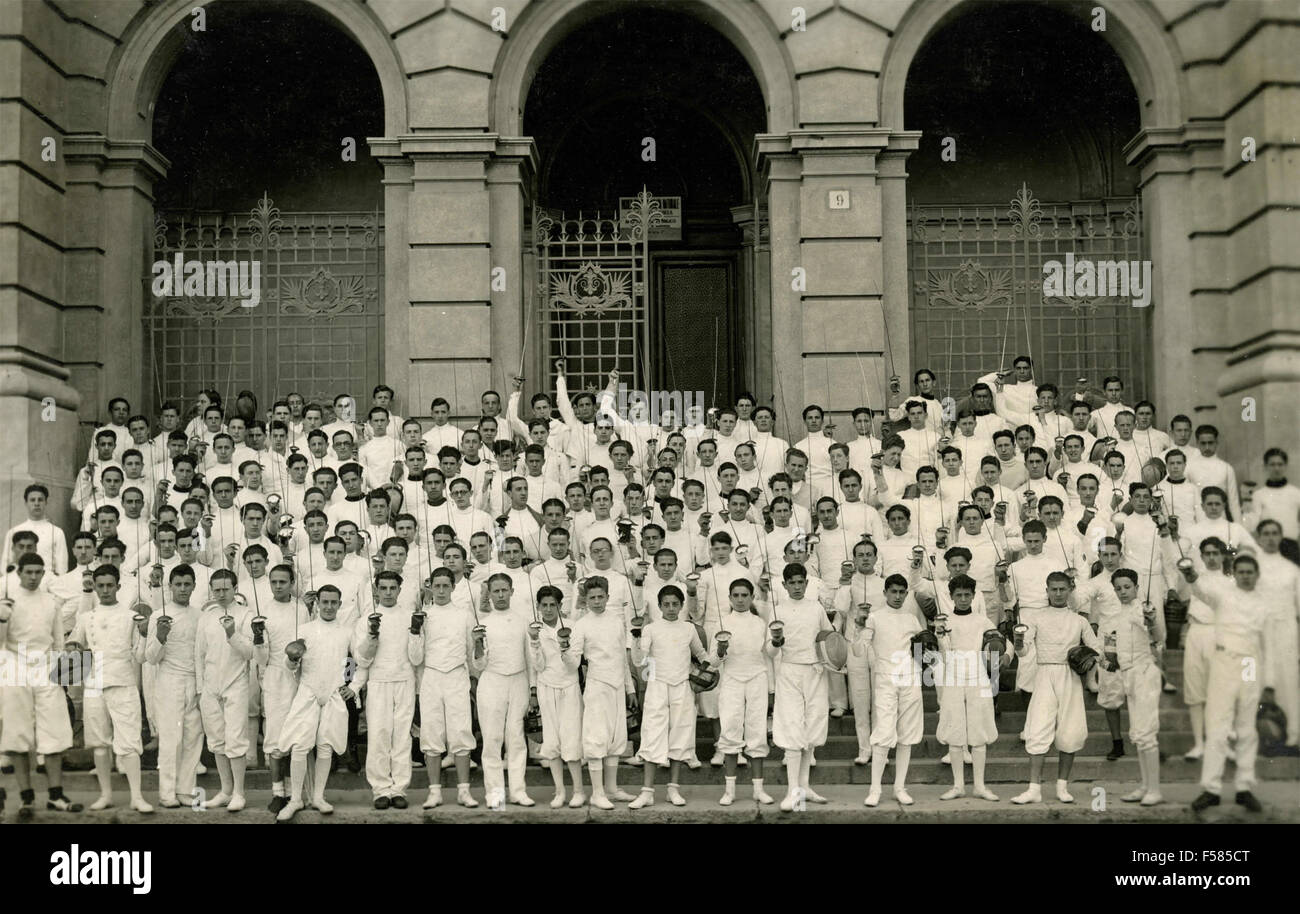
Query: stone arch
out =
(154, 40)
(1132, 29)
(542, 26)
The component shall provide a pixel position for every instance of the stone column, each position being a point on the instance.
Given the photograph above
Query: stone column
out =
(827, 207)
(454, 211)
(755, 287)
(895, 356)
(510, 187)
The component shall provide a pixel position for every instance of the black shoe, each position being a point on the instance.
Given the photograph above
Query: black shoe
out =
(6, 769)
(277, 804)
(63, 804)
(1247, 799)
(26, 812)
(354, 761)
(382, 802)
(1116, 750)
(1205, 801)
(399, 802)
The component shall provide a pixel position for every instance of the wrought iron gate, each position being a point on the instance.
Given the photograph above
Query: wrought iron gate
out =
(976, 279)
(317, 330)
(593, 293)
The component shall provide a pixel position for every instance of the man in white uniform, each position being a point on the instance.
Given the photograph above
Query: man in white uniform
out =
(170, 648)
(223, 651)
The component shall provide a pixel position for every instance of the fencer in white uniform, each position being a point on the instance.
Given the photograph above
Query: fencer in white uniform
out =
(559, 697)
(897, 713)
(223, 651)
(802, 711)
(664, 648)
(601, 636)
(506, 690)
(1241, 617)
(170, 648)
(385, 669)
(743, 690)
(966, 718)
(441, 645)
(111, 707)
(283, 615)
(1056, 712)
(1134, 679)
(318, 716)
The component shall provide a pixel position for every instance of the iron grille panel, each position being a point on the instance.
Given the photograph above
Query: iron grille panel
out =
(976, 288)
(317, 330)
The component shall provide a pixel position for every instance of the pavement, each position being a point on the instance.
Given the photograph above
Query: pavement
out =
(1095, 802)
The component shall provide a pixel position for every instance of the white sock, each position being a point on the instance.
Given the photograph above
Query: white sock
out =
(277, 789)
(731, 786)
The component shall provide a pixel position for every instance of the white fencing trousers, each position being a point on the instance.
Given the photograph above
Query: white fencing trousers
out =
(390, 706)
(278, 687)
(311, 725)
(1282, 662)
(604, 720)
(838, 692)
(149, 692)
(502, 704)
(1141, 684)
(225, 720)
(1231, 704)
(897, 712)
(36, 718)
(111, 717)
(800, 718)
(561, 722)
(445, 724)
(180, 734)
(859, 688)
(667, 722)
(742, 709)
(1198, 653)
(1056, 711)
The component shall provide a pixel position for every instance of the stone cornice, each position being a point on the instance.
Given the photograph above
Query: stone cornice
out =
(106, 154)
(1157, 142)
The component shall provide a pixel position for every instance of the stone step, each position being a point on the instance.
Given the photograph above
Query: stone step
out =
(922, 770)
(1008, 745)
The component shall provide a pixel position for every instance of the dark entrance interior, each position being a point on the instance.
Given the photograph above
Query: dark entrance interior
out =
(652, 72)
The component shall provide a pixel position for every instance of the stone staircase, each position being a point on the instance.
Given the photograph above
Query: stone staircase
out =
(1007, 761)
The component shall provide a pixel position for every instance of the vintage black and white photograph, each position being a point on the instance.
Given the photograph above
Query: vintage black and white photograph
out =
(649, 411)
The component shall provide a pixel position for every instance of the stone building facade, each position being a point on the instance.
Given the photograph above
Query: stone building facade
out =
(1212, 154)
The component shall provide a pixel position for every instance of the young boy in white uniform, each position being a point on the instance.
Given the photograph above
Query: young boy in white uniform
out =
(223, 649)
(170, 648)
(1134, 678)
(897, 713)
(559, 697)
(802, 711)
(601, 637)
(285, 615)
(318, 717)
(665, 648)
(112, 709)
(1056, 712)
(385, 669)
(441, 645)
(966, 718)
(506, 692)
(743, 690)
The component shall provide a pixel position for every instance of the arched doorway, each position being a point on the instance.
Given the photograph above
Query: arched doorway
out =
(272, 169)
(637, 112)
(1021, 163)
